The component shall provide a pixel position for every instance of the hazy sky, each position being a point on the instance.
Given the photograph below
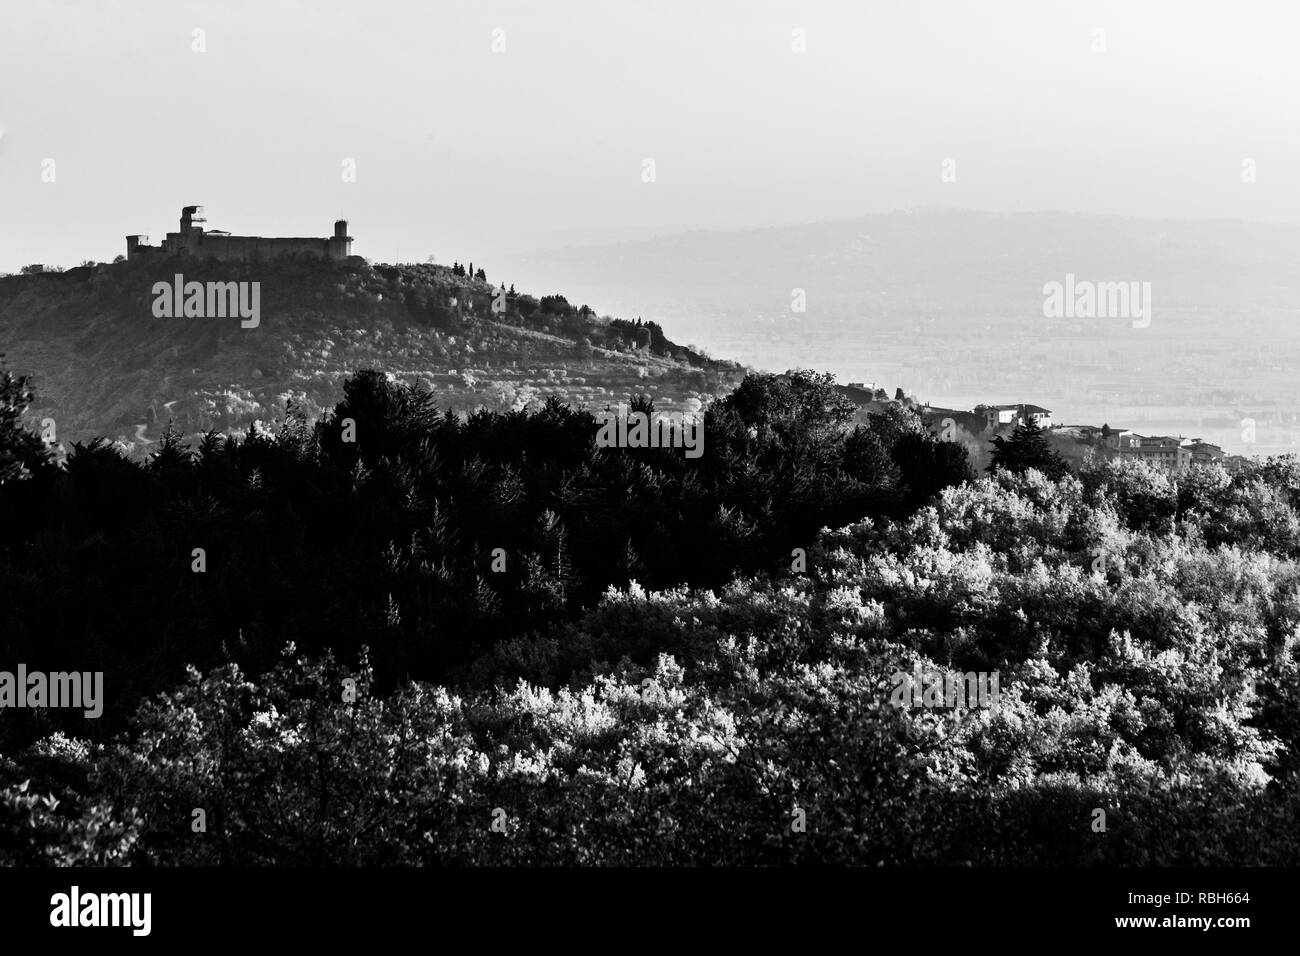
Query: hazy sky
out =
(463, 152)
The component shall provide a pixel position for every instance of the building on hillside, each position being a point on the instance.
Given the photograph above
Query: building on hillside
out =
(1160, 451)
(1037, 414)
(1120, 439)
(194, 240)
(1203, 453)
(997, 416)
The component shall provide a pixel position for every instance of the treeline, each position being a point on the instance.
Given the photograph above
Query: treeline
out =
(1147, 716)
(428, 536)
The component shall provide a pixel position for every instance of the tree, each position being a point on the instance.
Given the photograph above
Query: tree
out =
(22, 453)
(1027, 448)
(927, 465)
(387, 416)
(556, 305)
(173, 462)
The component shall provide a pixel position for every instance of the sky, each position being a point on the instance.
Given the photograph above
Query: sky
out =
(479, 129)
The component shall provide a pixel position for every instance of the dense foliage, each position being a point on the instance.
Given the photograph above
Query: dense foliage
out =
(702, 699)
(426, 535)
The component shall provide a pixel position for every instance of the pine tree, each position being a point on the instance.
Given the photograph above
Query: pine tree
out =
(1027, 448)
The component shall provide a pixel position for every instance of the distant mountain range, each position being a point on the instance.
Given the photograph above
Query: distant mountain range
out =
(950, 305)
(105, 364)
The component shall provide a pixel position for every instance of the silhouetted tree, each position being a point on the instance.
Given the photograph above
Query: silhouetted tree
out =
(21, 450)
(1027, 448)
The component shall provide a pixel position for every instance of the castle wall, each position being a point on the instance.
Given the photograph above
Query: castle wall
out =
(257, 247)
(192, 240)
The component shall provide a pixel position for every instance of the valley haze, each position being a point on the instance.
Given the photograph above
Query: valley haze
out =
(949, 305)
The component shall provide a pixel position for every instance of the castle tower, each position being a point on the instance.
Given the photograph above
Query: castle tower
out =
(189, 216)
(340, 245)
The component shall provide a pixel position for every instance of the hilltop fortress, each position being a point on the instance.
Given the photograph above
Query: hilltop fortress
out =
(194, 240)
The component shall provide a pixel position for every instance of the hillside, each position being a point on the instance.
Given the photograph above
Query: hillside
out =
(103, 364)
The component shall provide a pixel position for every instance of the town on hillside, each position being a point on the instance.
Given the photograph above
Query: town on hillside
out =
(976, 428)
